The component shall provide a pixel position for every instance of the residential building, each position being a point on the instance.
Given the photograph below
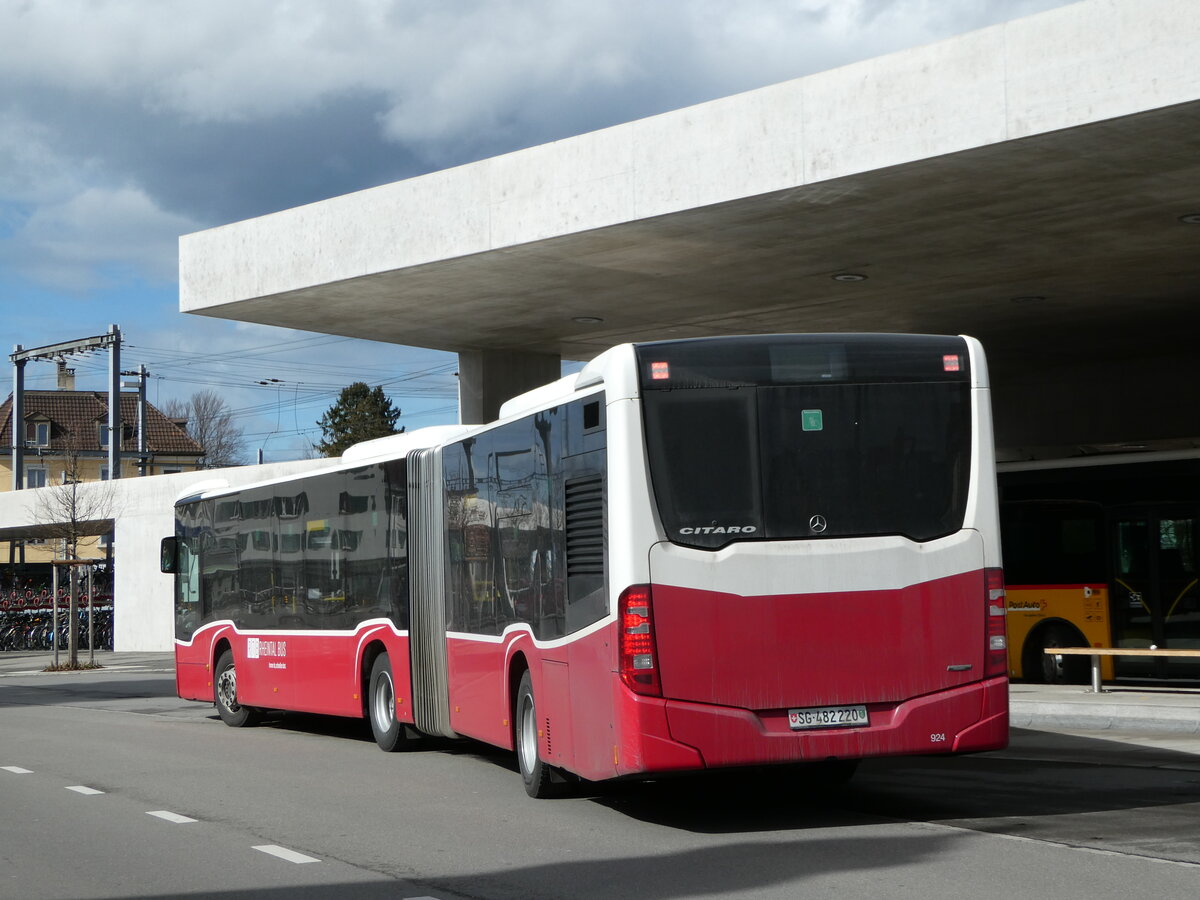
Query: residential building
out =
(66, 438)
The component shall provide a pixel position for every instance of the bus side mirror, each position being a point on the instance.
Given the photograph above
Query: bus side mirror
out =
(167, 555)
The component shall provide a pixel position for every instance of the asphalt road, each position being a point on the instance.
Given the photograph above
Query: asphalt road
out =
(110, 787)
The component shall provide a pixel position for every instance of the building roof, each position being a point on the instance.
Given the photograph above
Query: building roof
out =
(82, 412)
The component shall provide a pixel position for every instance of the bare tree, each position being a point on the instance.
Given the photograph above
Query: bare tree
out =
(210, 424)
(68, 512)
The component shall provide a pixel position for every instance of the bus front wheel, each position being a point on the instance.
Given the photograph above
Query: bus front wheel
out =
(389, 731)
(232, 713)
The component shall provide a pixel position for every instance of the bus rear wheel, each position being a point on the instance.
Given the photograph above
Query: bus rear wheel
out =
(542, 780)
(390, 733)
(232, 713)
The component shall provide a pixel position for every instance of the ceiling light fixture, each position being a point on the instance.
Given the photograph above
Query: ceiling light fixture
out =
(849, 276)
(1190, 219)
(588, 320)
(1031, 298)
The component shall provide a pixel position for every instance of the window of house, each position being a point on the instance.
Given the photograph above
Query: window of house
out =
(37, 434)
(128, 433)
(35, 477)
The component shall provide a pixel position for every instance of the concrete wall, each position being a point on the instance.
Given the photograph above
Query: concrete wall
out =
(143, 514)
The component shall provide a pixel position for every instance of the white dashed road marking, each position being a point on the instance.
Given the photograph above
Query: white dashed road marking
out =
(170, 816)
(271, 849)
(285, 853)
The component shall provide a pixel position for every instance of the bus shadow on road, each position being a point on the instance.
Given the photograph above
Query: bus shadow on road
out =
(774, 868)
(1030, 789)
(1038, 786)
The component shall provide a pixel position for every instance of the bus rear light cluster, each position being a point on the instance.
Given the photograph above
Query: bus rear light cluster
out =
(639, 655)
(996, 651)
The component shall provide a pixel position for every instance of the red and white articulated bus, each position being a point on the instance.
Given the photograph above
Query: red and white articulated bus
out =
(692, 554)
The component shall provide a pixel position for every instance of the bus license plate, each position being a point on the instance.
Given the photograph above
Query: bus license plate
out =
(827, 717)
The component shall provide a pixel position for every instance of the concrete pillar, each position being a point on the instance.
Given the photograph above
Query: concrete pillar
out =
(486, 378)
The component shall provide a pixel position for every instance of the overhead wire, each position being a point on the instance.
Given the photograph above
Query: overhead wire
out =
(241, 369)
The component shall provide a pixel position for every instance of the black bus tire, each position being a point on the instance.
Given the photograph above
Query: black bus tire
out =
(389, 731)
(1057, 668)
(232, 713)
(537, 774)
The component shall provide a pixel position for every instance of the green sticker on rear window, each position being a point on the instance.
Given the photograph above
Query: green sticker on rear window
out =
(810, 420)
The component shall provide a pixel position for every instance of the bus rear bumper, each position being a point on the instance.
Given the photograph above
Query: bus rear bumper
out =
(966, 719)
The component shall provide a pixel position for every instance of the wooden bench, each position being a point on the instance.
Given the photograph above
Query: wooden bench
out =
(1096, 652)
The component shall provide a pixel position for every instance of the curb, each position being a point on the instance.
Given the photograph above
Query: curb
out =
(1104, 717)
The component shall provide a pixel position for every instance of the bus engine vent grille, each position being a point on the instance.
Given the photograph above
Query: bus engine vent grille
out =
(585, 526)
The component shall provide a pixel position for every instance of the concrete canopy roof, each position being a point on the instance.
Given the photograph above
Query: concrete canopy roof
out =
(1029, 184)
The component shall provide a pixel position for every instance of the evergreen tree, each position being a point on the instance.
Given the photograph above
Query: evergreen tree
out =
(360, 414)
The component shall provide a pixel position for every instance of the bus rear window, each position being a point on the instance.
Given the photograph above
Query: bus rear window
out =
(846, 440)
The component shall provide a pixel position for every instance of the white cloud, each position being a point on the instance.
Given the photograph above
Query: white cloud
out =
(84, 240)
(31, 169)
(445, 68)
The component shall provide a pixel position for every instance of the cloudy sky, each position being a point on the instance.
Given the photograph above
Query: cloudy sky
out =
(126, 123)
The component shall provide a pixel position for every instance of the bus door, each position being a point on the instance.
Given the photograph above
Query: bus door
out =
(1155, 595)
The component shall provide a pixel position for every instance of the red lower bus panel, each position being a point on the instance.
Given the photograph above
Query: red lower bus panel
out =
(195, 659)
(193, 679)
(319, 672)
(991, 732)
(757, 651)
(478, 706)
(726, 736)
(644, 741)
(573, 686)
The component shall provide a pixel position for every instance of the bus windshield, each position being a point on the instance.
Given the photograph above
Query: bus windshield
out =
(812, 436)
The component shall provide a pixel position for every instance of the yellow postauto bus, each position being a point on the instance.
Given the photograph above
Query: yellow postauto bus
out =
(1102, 556)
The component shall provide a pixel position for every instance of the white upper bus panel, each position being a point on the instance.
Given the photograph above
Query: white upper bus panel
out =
(202, 487)
(397, 445)
(539, 397)
(394, 446)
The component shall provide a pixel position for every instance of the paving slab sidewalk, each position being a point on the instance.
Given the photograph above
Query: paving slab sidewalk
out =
(1163, 709)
